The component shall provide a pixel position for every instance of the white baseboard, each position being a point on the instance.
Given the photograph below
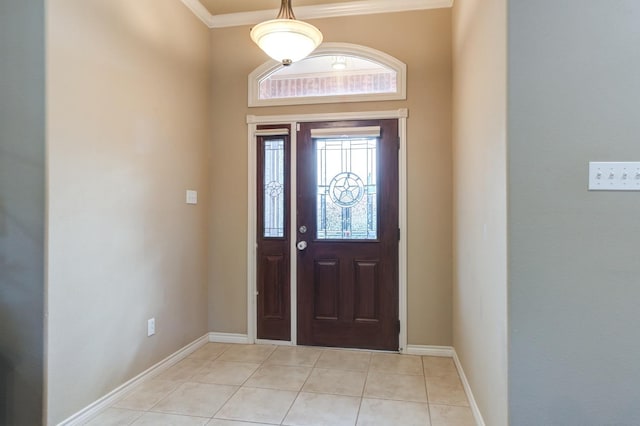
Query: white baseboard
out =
(443, 351)
(450, 352)
(467, 389)
(229, 338)
(94, 408)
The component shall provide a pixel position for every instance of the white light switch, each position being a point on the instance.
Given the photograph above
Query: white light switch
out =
(192, 197)
(151, 327)
(614, 176)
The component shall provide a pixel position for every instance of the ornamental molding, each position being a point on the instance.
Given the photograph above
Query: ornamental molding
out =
(332, 10)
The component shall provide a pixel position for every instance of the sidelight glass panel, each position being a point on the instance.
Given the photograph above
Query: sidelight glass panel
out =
(347, 202)
(274, 194)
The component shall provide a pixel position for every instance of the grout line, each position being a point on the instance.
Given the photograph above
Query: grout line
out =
(364, 386)
(358, 413)
(335, 394)
(299, 392)
(307, 379)
(426, 389)
(451, 405)
(225, 403)
(322, 351)
(229, 345)
(290, 407)
(234, 393)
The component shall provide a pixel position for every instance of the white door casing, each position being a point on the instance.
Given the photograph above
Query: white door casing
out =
(252, 122)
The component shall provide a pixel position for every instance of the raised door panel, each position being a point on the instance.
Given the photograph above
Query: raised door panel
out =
(366, 290)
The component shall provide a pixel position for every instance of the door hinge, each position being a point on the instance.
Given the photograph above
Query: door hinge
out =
(398, 234)
(398, 143)
(398, 326)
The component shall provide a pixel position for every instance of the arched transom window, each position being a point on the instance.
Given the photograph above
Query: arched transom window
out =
(335, 72)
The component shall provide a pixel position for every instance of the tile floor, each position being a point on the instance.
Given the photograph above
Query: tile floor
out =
(245, 385)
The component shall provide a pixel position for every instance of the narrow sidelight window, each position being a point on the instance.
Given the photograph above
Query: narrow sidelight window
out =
(273, 187)
(273, 195)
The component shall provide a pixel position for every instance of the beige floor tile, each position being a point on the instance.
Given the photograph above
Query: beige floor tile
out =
(279, 377)
(257, 405)
(344, 360)
(157, 419)
(147, 394)
(247, 353)
(312, 409)
(381, 412)
(294, 355)
(115, 417)
(397, 364)
(210, 351)
(220, 422)
(447, 415)
(337, 382)
(446, 390)
(225, 373)
(205, 385)
(435, 366)
(396, 387)
(196, 399)
(183, 370)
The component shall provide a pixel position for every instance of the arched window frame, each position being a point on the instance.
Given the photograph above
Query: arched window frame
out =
(332, 49)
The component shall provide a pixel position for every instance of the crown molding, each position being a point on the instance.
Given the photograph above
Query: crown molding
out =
(362, 7)
(200, 11)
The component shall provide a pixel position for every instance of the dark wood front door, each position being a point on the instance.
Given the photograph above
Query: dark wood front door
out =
(347, 234)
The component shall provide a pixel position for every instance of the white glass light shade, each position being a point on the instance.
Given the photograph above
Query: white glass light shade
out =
(286, 40)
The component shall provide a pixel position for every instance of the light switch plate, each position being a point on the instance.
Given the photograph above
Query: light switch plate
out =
(151, 327)
(192, 197)
(614, 176)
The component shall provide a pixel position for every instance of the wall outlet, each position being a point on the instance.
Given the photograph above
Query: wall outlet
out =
(151, 327)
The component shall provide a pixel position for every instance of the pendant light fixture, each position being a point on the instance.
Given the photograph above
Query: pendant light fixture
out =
(286, 39)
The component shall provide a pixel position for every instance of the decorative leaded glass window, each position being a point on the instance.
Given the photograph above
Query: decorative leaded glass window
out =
(347, 183)
(335, 72)
(273, 197)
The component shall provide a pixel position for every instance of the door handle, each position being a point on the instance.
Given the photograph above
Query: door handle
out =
(301, 245)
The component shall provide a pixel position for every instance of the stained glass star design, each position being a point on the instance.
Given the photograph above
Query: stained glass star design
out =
(346, 189)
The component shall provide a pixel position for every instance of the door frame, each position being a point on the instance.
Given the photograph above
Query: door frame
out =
(252, 122)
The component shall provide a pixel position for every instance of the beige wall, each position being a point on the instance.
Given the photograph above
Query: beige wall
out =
(423, 41)
(128, 104)
(22, 201)
(480, 212)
